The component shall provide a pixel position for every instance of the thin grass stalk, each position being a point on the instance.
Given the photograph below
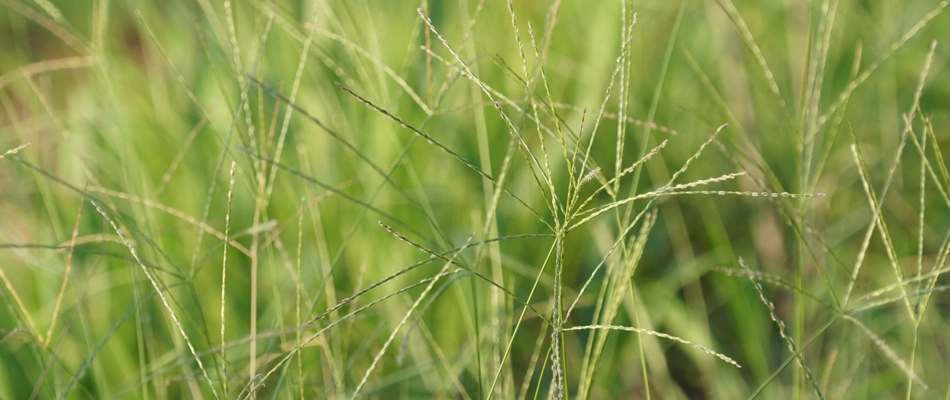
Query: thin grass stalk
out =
(66, 273)
(782, 331)
(517, 326)
(530, 158)
(161, 295)
(899, 43)
(220, 161)
(447, 150)
(402, 322)
(749, 41)
(621, 282)
(224, 273)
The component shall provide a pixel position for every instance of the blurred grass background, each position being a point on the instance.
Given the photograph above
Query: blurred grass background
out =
(132, 113)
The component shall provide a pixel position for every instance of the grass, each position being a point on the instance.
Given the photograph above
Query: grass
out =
(472, 199)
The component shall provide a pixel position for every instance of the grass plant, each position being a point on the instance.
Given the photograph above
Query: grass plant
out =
(473, 199)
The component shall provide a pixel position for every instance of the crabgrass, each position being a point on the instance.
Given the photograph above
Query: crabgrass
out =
(472, 199)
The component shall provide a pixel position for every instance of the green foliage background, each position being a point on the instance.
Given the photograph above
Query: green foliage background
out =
(123, 121)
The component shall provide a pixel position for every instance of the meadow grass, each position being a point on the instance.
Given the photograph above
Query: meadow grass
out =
(473, 199)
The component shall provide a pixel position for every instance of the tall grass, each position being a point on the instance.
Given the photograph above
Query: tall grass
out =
(473, 199)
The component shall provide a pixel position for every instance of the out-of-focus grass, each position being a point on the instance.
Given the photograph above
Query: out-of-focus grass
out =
(356, 256)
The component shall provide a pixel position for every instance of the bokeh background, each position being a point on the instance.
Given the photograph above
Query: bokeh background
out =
(356, 256)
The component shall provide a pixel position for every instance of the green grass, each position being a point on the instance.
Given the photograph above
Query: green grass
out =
(474, 199)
